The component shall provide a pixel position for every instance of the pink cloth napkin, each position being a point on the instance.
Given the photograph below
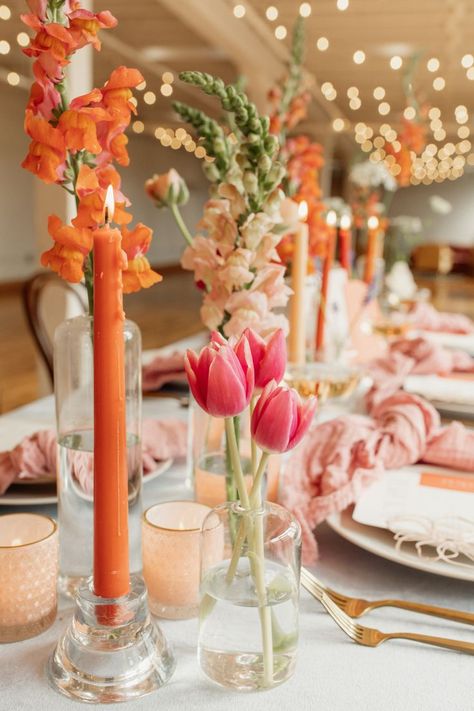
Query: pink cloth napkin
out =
(339, 458)
(36, 455)
(163, 369)
(426, 318)
(415, 356)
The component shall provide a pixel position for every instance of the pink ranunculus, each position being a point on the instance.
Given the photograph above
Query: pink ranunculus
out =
(280, 420)
(221, 380)
(167, 189)
(269, 357)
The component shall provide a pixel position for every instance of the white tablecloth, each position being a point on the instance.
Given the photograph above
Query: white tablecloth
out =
(333, 674)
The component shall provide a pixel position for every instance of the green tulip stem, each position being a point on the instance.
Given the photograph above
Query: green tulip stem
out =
(255, 492)
(253, 444)
(181, 224)
(236, 463)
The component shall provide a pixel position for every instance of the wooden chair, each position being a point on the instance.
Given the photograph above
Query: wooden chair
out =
(68, 299)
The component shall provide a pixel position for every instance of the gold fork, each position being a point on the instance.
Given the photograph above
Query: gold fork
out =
(355, 607)
(368, 636)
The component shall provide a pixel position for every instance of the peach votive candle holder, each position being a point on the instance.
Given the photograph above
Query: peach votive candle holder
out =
(171, 541)
(28, 575)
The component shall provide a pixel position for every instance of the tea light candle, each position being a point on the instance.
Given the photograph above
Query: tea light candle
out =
(28, 575)
(171, 556)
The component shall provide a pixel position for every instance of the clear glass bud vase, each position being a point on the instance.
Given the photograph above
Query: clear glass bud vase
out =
(74, 394)
(250, 571)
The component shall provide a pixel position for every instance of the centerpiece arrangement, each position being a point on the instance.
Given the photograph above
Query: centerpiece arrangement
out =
(111, 651)
(254, 585)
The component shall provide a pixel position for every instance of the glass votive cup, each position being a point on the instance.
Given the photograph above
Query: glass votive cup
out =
(171, 541)
(28, 575)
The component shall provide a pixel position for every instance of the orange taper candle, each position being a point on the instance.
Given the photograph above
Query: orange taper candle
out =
(372, 249)
(345, 243)
(111, 564)
(328, 262)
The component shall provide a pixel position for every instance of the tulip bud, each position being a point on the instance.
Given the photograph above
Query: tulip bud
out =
(167, 189)
(269, 357)
(280, 420)
(221, 380)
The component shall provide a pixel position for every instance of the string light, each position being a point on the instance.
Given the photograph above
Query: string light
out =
(463, 131)
(467, 61)
(305, 9)
(342, 5)
(149, 97)
(166, 89)
(138, 126)
(271, 13)
(167, 77)
(338, 125)
(432, 64)
(322, 44)
(5, 12)
(352, 92)
(439, 83)
(327, 87)
(409, 113)
(23, 39)
(239, 11)
(379, 93)
(355, 104)
(13, 78)
(4, 47)
(384, 108)
(396, 62)
(280, 32)
(470, 73)
(434, 112)
(141, 86)
(359, 57)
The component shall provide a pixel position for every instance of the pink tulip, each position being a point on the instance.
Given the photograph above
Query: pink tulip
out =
(221, 380)
(269, 357)
(280, 420)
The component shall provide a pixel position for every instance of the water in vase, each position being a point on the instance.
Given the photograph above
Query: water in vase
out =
(75, 506)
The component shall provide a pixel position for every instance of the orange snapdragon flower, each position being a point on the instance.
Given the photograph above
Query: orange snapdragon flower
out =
(51, 45)
(47, 151)
(85, 25)
(117, 93)
(71, 246)
(79, 131)
(138, 274)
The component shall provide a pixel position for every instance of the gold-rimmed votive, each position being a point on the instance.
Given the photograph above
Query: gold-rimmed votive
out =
(171, 536)
(28, 575)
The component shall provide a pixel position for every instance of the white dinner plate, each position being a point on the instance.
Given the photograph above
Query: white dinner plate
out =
(32, 494)
(380, 542)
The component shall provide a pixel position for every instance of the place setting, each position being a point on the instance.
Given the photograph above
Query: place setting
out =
(236, 445)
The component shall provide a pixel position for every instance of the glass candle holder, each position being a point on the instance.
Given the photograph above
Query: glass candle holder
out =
(171, 557)
(28, 575)
(74, 394)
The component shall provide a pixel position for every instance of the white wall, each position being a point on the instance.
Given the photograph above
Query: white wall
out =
(457, 228)
(19, 245)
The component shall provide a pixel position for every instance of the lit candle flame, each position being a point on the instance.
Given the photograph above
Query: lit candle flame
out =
(303, 211)
(109, 205)
(345, 222)
(373, 222)
(331, 218)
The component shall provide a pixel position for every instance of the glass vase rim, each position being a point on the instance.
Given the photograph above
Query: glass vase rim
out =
(51, 533)
(267, 508)
(90, 318)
